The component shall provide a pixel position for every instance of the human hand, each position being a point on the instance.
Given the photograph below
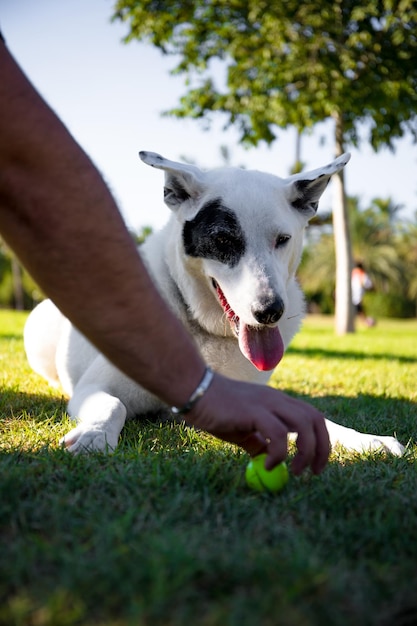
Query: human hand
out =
(259, 418)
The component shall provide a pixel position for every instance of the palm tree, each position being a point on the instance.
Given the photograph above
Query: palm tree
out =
(374, 238)
(407, 247)
(374, 241)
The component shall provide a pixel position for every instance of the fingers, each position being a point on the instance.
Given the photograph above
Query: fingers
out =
(258, 430)
(323, 447)
(259, 419)
(275, 435)
(295, 416)
(313, 444)
(320, 446)
(253, 443)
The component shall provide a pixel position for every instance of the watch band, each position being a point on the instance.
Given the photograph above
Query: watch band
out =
(199, 391)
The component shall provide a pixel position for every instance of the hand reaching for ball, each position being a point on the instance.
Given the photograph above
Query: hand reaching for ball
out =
(259, 420)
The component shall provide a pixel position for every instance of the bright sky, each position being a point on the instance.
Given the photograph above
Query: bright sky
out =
(110, 95)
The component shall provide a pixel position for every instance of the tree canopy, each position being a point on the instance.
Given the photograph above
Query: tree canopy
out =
(290, 63)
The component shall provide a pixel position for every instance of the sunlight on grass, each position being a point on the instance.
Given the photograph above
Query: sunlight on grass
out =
(351, 378)
(165, 528)
(380, 361)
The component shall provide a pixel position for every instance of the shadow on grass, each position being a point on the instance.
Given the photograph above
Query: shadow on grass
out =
(14, 403)
(7, 336)
(378, 415)
(322, 353)
(366, 413)
(166, 526)
(152, 538)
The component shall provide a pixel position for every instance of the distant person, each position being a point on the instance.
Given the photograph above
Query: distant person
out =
(361, 283)
(59, 217)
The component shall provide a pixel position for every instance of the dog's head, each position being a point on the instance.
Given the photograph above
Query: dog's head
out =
(242, 235)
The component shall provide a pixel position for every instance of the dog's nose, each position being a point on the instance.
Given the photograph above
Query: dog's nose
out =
(270, 312)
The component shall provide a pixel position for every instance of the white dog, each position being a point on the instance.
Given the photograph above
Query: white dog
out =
(226, 263)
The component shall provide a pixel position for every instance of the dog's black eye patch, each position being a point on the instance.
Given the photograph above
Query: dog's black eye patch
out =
(214, 233)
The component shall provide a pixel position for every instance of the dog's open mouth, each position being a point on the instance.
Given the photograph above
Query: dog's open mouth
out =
(230, 314)
(262, 345)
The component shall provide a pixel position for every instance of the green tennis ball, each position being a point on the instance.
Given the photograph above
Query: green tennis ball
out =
(261, 479)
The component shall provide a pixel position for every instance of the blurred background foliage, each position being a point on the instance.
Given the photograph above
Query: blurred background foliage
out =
(385, 243)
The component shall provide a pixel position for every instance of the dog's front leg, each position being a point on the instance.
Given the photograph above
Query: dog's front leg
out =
(100, 418)
(355, 441)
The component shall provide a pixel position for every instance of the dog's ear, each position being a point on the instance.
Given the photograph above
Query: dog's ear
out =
(182, 180)
(305, 189)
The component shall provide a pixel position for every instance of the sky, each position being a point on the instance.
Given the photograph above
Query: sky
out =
(110, 95)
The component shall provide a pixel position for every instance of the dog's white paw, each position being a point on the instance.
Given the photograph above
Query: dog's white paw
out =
(386, 444)
(372, 443)
(80, 441)
(355, 441)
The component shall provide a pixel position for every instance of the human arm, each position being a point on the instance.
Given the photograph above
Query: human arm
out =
(57, 214)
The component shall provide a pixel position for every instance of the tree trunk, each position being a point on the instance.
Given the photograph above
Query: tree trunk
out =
(344, 315)
(298, 164)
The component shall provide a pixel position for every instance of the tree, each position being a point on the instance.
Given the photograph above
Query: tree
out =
(375, 238)
(294, 63)
(407, 247)
(384, 243)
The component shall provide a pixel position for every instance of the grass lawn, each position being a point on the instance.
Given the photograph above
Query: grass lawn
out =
(164, 531)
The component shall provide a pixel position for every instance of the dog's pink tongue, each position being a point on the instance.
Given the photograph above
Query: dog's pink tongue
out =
(264, 348)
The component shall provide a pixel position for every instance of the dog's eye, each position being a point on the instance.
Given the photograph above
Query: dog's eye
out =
(282, 240)
(223, 241)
